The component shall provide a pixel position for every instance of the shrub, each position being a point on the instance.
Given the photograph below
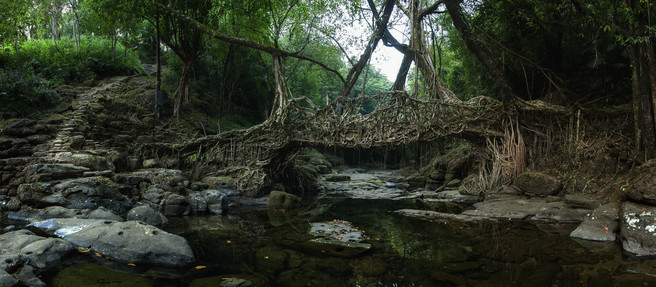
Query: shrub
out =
(67, 64)
(22, 93)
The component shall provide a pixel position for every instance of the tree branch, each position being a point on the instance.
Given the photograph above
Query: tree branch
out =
(431, 9)
(247, 43)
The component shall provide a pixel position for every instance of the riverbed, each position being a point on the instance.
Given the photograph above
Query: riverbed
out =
(269, 248)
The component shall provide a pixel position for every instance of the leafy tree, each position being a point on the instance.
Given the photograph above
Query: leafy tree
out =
(15, 19)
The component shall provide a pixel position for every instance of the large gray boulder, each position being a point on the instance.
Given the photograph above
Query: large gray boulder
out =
(638, 229)
(599, 225)
(128, 242)
(538, 184)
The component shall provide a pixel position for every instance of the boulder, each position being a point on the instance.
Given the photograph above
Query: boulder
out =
(104, 213)
(88, 192)
(147, 215)
(29, 254)
(638, 229)
(175, 205)
(642, 188)
(128, 242)
(282, 200)
(599, 225)
(211, 200)
(7, 280)
(538, 184)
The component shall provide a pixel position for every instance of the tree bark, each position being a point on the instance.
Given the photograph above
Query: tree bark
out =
(282, 91)
(474, 45)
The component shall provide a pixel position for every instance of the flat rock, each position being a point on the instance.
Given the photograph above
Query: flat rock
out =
(599, 225)
(128, 242)
(638, 229)
(518, 208)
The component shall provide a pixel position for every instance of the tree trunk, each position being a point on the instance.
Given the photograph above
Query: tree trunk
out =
(16, 45)
(436, 88)
(379, 31)
(635, 86)
(114, 41)
(402, 75)
(474, 45)
(643, 97)
(182, 87)
(282, 95)
(158, 63)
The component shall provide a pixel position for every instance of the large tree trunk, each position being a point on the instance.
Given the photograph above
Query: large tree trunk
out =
(436, 88)
(474, 45)
(282, 95)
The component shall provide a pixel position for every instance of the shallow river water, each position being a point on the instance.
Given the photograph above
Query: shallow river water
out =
(270, 249)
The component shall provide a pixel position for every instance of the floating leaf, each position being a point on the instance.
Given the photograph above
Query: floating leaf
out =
(199, 267)
(132, 264)
(83, 250)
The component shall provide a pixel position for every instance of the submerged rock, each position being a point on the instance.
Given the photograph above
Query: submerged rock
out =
(282, 200)
(599, 225)
(338, 238)
(128, 242)
(638, 229)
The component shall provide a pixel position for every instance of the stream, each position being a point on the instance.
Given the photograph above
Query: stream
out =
(270, 249)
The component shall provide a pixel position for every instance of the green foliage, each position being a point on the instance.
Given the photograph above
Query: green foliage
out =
(22, 93)
(67, 64)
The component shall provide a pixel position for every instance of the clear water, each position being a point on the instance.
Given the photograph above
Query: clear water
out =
(270, 249)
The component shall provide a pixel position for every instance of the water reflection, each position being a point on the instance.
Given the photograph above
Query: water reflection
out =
(272, 249)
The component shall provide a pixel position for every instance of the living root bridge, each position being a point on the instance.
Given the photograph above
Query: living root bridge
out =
(398, 118)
